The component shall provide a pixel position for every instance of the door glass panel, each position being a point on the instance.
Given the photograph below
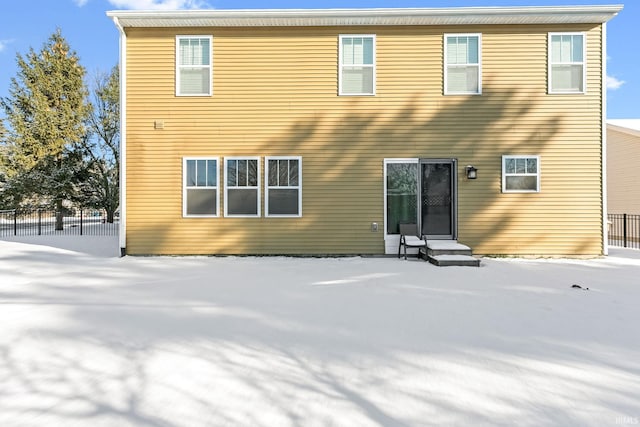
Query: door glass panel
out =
(402, 195)
(437, 213)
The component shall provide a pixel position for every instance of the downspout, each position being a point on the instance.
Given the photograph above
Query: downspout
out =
(605, 219)
(123, 138)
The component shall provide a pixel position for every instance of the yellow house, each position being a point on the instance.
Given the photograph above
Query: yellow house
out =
(309, 132)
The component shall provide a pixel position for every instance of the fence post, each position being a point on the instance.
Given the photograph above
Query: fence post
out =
(15, 222)
(624, 229)
(39, 222)
(81, 222)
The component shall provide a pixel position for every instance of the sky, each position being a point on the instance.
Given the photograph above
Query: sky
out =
(84, 24)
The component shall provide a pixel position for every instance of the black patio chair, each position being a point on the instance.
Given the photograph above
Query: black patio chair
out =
(410, 238)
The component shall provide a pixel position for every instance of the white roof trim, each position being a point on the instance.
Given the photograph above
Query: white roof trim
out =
(355, 17)
(628, 126)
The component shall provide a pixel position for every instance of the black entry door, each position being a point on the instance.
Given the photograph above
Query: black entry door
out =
(437, 196)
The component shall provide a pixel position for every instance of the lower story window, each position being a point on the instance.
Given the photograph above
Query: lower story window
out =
(520, 174)
(200, 187)
(283, 189)
(242, 179)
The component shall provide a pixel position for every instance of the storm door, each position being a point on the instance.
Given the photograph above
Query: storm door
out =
(438, 198)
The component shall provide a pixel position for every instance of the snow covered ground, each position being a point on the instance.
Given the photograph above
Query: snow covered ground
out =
(89, 339)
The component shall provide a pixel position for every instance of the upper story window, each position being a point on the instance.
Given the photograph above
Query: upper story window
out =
(462, 58)
(200, 187)
(357, 72)
(520, 174)
(193, 65)
(567, 63)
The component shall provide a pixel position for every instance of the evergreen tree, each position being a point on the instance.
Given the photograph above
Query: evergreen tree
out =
(3, 159)
(46, 112)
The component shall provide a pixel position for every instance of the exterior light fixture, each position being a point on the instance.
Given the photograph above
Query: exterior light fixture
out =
(472, 173)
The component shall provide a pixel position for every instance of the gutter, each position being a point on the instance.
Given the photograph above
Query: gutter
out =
(122, 239)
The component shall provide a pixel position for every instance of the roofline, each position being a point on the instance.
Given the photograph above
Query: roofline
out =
(366, 16)
(623, 129)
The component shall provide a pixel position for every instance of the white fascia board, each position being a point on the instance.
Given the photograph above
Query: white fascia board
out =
(351, 17)
(628, 126)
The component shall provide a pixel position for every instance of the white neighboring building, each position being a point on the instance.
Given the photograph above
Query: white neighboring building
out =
(623, 163)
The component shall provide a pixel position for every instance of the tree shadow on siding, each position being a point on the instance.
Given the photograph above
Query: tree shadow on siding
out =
(343, 156)
(342, 153)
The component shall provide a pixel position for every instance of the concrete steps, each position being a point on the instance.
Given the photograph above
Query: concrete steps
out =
(445, 253)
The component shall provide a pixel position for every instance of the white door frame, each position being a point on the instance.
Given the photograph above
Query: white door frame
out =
(392, 241)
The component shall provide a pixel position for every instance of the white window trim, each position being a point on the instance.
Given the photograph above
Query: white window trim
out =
(446, 65)
(210, 66)
(226, 187)
(386, 162)
(267, 187)
(184, 187)
(550, 90)
(504, 174)
(341, 65)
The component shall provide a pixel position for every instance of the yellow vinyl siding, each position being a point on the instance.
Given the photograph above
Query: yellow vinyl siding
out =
(275, 94)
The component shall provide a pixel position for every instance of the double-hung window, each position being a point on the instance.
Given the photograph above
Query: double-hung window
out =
(357, 65)
(193, 65)
(462, 69)
(567, 63)
(283, 189)
(200, 187)
(520, 174)
(242, 183)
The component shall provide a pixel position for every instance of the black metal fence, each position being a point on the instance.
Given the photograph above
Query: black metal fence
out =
(624, 230)
(41, 222)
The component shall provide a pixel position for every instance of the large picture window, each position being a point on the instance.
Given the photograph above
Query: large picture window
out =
(357, 65)
(283, 189)
(242, 183)
(193, 68)
(567, 63)
(200, 187)
(462, 71)
(520, 174)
